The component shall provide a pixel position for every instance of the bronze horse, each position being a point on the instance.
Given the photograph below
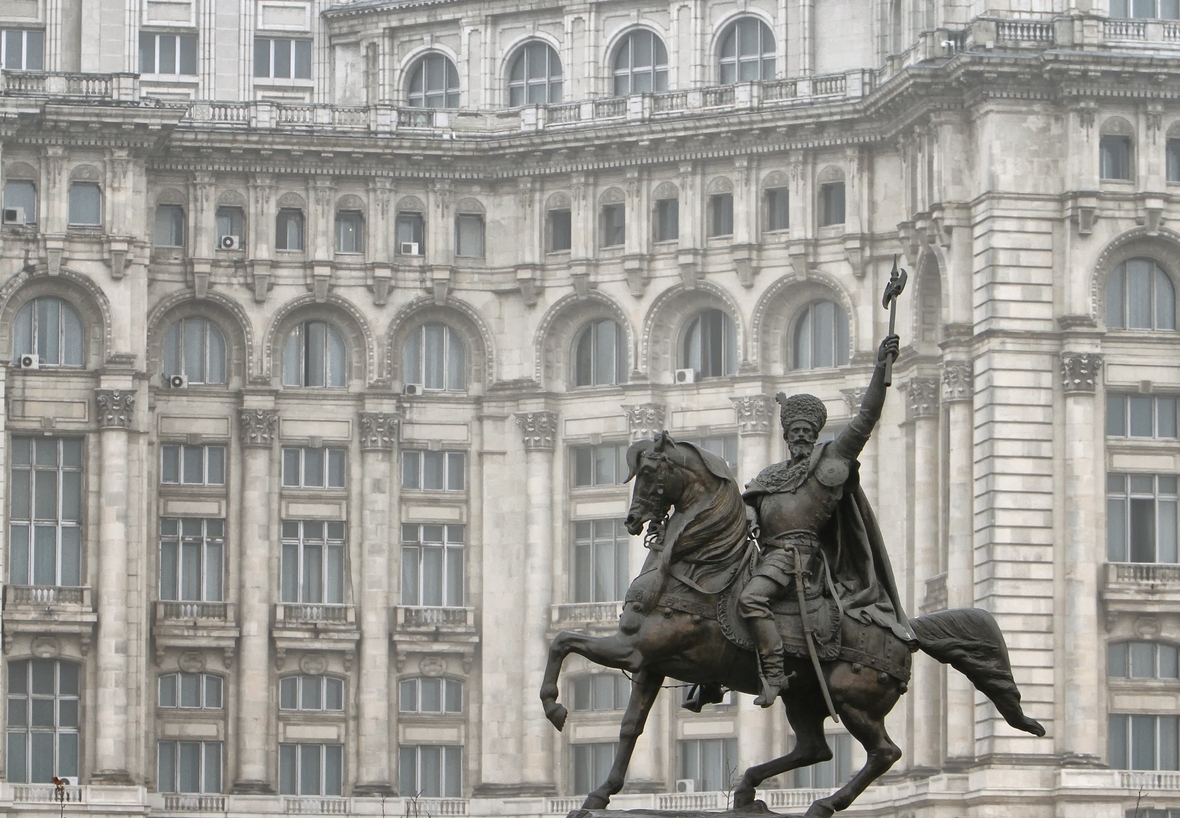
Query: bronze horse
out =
(668, 628)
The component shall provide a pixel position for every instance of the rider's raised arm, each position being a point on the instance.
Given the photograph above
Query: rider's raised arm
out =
(856, 434)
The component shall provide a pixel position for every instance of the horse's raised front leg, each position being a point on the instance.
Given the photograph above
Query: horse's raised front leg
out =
(807, 721)
(869, 730)
(610, 651)
(644, 689)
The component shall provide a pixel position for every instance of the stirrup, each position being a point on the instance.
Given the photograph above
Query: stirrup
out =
(772, 689)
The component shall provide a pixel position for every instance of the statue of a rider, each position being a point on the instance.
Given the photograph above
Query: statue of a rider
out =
(815, 524)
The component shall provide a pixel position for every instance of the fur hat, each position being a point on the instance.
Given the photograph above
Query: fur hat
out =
(801, 407)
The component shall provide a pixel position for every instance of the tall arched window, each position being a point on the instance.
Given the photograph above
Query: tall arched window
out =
(43, 723)
(747, 51)
(435, 358)
(434, 83)
(49, 328)
(821, 336)
(1140, 295)
(195, 348)
(710, 344)
(535, 76)
(601, 354)
(314, 355)
(641, 64)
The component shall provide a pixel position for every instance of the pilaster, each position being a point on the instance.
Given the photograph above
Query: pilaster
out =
(644, 420)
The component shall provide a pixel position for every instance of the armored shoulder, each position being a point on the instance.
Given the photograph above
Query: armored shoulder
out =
(832, 469)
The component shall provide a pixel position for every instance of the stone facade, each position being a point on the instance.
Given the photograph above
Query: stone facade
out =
(313, 427)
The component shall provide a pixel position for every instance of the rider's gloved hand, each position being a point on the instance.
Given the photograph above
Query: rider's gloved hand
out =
(890, 348)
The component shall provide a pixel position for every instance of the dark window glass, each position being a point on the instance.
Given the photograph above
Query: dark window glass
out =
(778, 211)
(641, 64)
(601, 573)
(535, 76)
(560, 230)
(600, 356)
(831, 204)
(710, 344)
(1140, 295)
(434, 83)
(667, 219)
(614, 225)
(1114, 154)
(721, 214)
(747, 52)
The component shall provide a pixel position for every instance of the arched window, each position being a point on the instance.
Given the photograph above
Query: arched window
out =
(316, 694)
(435, 358)
(1140, 295)
(197, 691)
(535, 76)
(43, 697)
(601, 354)
(434, 83)
(195, 349)
(821, 336)
(314, 355)
(710, 344)
(49, 328)
(747, 51)
(1142, 660)
(430, 695)
(641, 64)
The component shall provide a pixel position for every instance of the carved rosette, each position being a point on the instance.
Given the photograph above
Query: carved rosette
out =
(644, 420)
(923, 398)
(1079, 371)
(378, 431)
(258, 427)
(538, 430)
(755, 414)
(853, 398)
(958, 382)
(115, 408)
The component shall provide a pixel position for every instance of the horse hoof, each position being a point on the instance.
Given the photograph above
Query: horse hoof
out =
(743, 798)
(556, 714)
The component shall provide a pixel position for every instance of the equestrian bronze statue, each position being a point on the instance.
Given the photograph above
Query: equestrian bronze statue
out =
(812, 562)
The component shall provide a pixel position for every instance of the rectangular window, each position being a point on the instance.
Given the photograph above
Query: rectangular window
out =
(192, 554)
(192, 465)
(314, 468)
(831, 204)
(1136, 742)
(1173, 161)
(430, 695)
(350, 232)
(23, 195)
(43, 723)
(231, 223)
(469, 235)
(85, 204)
(561, 236)
(316, 694)
(190, 691)
(1158, 9)
(1140, 416)
(828, 775)
(600, 691)
(721, 214)
(282, 58)
(289, 229)
(602, 465)
(1114, 157)
(711, 762)
(169, 226)
(1141, 518)
(667, 220)
(778, 210)
(592, 763)
(189, 766)
(614, 225)
(313, 562)
(45, 512)
(601, 572)
(22, 49)
(432, 565)
(433, 471)
(430, 771)
(311, 769)
(167, 53)
(411, 234)
(724, 446)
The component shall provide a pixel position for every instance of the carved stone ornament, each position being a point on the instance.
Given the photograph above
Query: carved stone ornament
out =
(853, 398)
(755, 414)
(1079, 371)
(958, 382)
(313, 664)
(644, 420)
(537, 429)
(432, 666)
(114, 408)
(258, 427)
(923, 398)
(378, 431)
(191, 662)
(44, 647)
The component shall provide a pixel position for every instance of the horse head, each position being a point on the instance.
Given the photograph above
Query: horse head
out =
(656, 482)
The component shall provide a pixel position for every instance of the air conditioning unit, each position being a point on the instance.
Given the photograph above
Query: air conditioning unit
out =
(413, 389)
(409, 248)
(230, 243)
(175, 381)
(29, 361)
(686, 376)
(686, 785)
(14, 215)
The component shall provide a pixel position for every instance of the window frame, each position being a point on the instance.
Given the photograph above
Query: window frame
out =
(1116, 165)
(332, 544)
(415, 223)
(656, 70)
(174, 226)
(295, 59)
(291, 762)
(475, 221)
(771, 198)
(301, 347)
(1122, 654)
(1127, 723)
(449, 469)
(1172, 160)
(59, 696)
(730, 344)
(184, 49)
(839, 344)
(587, 364)
(75, 205)
(183, 450)
(592, 546)
(452, 561)
(450, 368)
(230, 215)
(205, 684)
(1125, 9)
(1121, 302)
(666, 221)
(419, 73)
(176, 533)
(592, 451)
(68, 320)
(30, 211)
(204, 767)
(330, 454)
(446, 684)
(350, 243)
(520, 90)
(765, 59)
(214, 352)
(1123, 416)
(837, 769)
(831, 200)
(450, 759)
(32, 524)
(584, 692)
(6, 33)
(552, 232)
(729, 752)
(1120, 487)
(612, 219)
(289, 219)
(721, 221)
(297, 681)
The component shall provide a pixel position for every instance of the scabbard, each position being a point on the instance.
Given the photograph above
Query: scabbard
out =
(809, 636)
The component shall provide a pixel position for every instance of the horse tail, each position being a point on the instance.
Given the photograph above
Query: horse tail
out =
(970, 641)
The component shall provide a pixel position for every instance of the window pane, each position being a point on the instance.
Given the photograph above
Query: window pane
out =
(1142, 530)
(333, 694)
(407, 779)
(190, 690)
(1140, 415)
(287, 756)
(1168, 750)
(1169, 669)
(213, 692)
(45, 556)
(455, 469)
(431, 695)
(1142, 660)
(333, 769)
(309, 769)
(1139, 287)
(456, 362)
(282, 58)
(336, 468)
(1116, 526)
(188, 54)
(166, 781)
(315, 351)
(1143, 755)
(167, 53)
(313, 467)
(189, 767)
(407, 696)
(212, 766)
(1116, 415)
(303, 59)
(430, 771)
(310, 698)
(411, 463)
(1166, 542)
(1165, 409)
(454, 696)
(41, 758)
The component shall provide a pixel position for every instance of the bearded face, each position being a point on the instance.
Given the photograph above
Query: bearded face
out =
(801, 437)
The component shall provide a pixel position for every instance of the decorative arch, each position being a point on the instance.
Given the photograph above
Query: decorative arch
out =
(666, 190)
(721, 28)
(719, 184)
(612, 195)
(469, 205)
(616, 38)
(229, 316)
(350, 201)
(83, 295)
(1116, 126)
(461, 317)
(666, 319)
(558, 201)
(343, 314)
(171, 196)
(513, 49)
(411, 204)
(775, 179)
(85, 173)
(563, 322)
(292, 201)
(775, 313)
(829, 175)
(1163, 247)
(22, 171)
(231, 198)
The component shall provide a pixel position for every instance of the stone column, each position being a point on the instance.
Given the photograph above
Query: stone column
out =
(922, 409)
(1083, 554)
(378, 433)
(258, 429)
(539, 430)
(958, 393)
(115, 411)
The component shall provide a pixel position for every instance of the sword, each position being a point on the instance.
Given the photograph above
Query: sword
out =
(809, 637)
(889, 301)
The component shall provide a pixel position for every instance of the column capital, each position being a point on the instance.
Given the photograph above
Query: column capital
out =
(1079, 371)
(115, 408)
(379, 431)
(258, 428)
(853, 396)
(958, 382)
(923, 398)
(538, 430)
(755, 414)
(644, 420)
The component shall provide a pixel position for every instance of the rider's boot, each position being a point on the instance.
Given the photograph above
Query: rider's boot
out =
(700, 695)
(770, 654)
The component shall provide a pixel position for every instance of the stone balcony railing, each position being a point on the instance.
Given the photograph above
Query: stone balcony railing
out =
(300, 614)
(175, 612)
(46, 596)
(1149, 781)
(46, 794)
(322, 805)
(1142, 587)
(191, 802)
(585, 615)
(411, 617)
